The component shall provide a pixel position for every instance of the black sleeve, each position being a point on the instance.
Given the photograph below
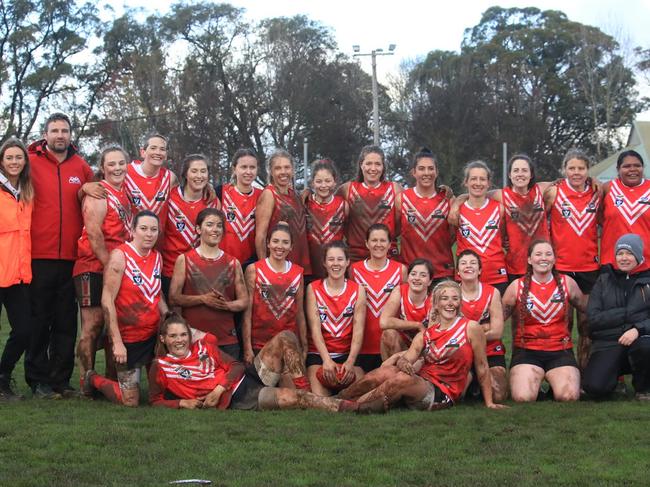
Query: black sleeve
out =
(219, 192)
(601, 315)
(638, 312)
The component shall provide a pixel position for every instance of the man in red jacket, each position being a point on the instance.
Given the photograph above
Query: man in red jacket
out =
(58, 174)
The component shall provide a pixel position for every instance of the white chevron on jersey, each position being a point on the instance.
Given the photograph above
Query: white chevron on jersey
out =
(183, 224)
(485, 312)
(141, 201)
(242, 224)
(480, 238)
(336, 325)
(322, 233)
(579, 221)
(548, 311)
(279, 304)
(378, 213)
(149, 285)
(226, 276)
(377, 298)
(527, 222)
(424, 226)
(175, 370)
(124, 213)
(440, 355)
(631, 210)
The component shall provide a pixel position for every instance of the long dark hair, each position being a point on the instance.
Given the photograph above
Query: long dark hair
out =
(185, 167)
(371, 149)
(531, 166)
(168, 319)
(24, 178)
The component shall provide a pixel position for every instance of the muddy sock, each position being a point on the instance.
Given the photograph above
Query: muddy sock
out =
(301, 382)
(109, 388)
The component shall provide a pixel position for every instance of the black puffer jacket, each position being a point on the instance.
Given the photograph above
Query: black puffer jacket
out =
(617, 303)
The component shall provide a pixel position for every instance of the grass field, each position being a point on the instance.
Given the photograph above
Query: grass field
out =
(82, 443)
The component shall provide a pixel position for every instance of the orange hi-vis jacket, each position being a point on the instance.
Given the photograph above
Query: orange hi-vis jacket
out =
(15, 241)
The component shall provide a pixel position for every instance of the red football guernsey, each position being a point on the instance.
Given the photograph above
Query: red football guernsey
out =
(525, 221)
(425, 232)
(378, 284)
(239, 208)
(336, 315)
(192, 376)
(480, 230)
(148, 193)
(368, 206)
(410, 312)
(137, 300)
(203, 275)
(325, 223)
(545, 324)
(574, 229)
(478, 310)
(274, 301)
(448, 357)
(290, 209)
(626, 211)
(116, 228)
(180, 227)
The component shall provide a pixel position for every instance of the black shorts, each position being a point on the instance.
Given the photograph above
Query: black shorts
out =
(88, 288)
(315, 359)
(165, 281)
(512, 278)
(544, 360)
(585, 280)
(140, 354)
(368, 361)
(232, 350)
(245, 397)
(496, 361)
(501, 287)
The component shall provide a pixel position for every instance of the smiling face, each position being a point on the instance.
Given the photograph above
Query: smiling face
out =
(279, 244)
(625, 260)
(631, 171)
(145, 232)
(520, 174)
(58, 136)
(211, 230)
(477, 182)
(324, 183)
(13, 162)
(177, 340)
(425, 173)
(197, 175)
(419, 278)
(446, 304)
(576, 171)
(245, 171)
(372, 168)
(114, 167)
(542, 258)
(469, 268)
(336, 263)
(282, 172)
(155, 152)
(378, 244)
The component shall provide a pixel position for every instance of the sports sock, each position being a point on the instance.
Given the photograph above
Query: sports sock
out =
(109, 388)
(301, 382)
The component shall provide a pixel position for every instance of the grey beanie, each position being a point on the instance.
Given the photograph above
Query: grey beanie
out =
(633, 243)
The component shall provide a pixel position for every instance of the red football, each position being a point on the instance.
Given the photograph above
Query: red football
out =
(336, 386)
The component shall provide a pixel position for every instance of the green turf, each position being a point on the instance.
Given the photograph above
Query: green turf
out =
(87, 443)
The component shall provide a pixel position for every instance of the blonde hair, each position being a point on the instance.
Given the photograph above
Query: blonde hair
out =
(437, 293)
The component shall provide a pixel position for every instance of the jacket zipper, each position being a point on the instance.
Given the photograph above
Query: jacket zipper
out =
(58, 173)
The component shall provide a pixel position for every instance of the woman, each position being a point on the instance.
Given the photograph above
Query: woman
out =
(371, 200)
(208, 284)
(107, 225)
(326, 213)
(448, 346)
(280, 203)
(482, 303)
(238, 201)
(336, 312)
(379, 275)
(185, 203)
(573, 206)
(407, 310)
(16, 195)
(275, 287)
(619, 323)
(133, 304)
(625, 207)
(542, 340)
(423, 212)
(479, 221)
(191, 373)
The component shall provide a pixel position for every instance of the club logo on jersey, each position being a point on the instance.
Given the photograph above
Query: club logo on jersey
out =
(644, 200)
(180, 223)
(491, 225)
(156, 274)
(438, 214)
(514, 213)
(485, 316)
(230, 214)
(556, 298)
(204, 356)
(410, 216)
(464, 231)
(136, 197)
(348, 311)
(384, 204)
(137, 278)
(74, 180)
(591, 208)
(184, 373)
(618, 201)
(389, 288)
(566, 212)
(121, 213)
(529, 304)
(322, 313)
(498, 348)
(160, 196)
(292, 291)
(264, 291)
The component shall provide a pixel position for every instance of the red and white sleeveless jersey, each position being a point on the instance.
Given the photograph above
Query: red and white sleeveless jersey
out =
(203, 275)
(325, 223)
(289, 209)
(137, 300)
(448, 357)
(544, 324)
(148, 193)
(239, 208)
(626, 211)
(574, 229)
(378, 284)
(116, 229)
(336, 314)
(196, 374)
(368, 206)
(478, 310)
(480, 230)
(274, 301)
(411, 312)
(425, 232)
(525, 221)
(180, 227)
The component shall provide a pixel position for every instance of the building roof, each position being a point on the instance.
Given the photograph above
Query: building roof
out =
(639, 140)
